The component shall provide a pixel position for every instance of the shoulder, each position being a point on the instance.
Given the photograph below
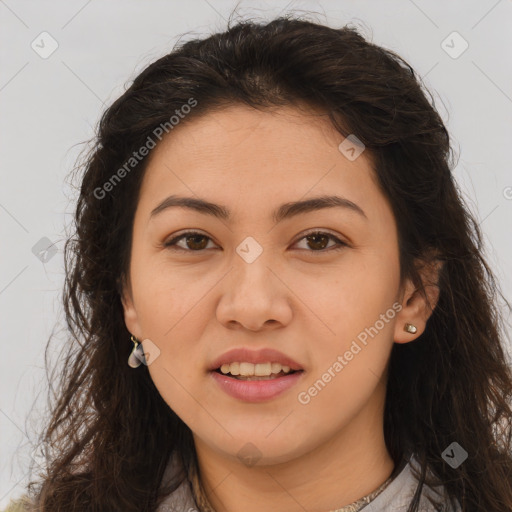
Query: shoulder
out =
(22, 504)
(182, 497)
(399, 493)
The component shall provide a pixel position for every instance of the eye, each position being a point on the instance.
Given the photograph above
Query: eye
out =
(195, 241)
(318, 239)
(193, 236)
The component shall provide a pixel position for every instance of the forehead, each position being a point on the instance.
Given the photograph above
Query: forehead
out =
(253, 159)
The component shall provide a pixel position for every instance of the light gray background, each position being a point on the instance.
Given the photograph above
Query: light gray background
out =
(48, 106)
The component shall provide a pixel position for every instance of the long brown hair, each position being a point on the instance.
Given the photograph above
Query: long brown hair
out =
(111, 434)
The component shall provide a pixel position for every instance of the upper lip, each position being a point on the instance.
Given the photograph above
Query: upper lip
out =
(263, 355)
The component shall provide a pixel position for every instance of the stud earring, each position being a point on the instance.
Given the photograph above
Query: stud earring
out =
(410, 328)
(136, 355)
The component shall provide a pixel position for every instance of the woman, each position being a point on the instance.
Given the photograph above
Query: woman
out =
(269, 233)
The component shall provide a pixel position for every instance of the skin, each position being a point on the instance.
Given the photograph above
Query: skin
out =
(194, 306)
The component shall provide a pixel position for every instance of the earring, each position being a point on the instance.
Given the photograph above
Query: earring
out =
(136, 355)
(410, 328)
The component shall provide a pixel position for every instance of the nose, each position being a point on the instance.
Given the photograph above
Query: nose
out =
(254, 297)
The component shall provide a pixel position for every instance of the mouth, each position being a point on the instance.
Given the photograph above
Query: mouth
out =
(272, 376)
(255, 375)
(255, 388)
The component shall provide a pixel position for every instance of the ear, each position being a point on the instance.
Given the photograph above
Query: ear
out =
(130, 313)
(417, 306)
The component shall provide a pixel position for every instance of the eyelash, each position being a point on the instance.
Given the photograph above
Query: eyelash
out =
(171, 244)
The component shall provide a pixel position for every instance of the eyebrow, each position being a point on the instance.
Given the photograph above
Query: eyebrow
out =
(285, 211)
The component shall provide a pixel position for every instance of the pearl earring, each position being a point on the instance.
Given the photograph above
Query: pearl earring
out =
(410, 328)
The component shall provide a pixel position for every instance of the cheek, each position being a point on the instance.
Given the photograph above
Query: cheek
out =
(164, 296)
(354, 343)
(177, 390)
(345, 375)
(351, 296)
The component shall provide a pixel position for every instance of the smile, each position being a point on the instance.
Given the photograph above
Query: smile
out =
(256, 388)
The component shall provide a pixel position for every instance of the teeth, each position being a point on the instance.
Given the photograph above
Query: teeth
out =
(250, 369)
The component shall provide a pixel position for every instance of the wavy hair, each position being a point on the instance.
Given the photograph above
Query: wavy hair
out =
(110, 434)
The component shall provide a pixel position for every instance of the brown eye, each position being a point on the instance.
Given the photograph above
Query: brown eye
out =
(318, 240)
(193, 241)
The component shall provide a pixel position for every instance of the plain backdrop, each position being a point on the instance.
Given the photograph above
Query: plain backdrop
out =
(51, 102)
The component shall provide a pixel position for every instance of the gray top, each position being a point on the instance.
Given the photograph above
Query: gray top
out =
(396, 496)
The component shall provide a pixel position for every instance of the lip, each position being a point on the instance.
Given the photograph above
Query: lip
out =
(247, 355)
(256, 390)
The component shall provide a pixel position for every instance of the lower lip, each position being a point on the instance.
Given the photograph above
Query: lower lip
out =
(256, 390)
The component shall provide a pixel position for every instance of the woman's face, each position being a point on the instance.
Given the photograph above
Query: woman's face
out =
(250, 281)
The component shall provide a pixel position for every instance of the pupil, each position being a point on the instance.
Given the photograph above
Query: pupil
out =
(315, 244)
(195, 238)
